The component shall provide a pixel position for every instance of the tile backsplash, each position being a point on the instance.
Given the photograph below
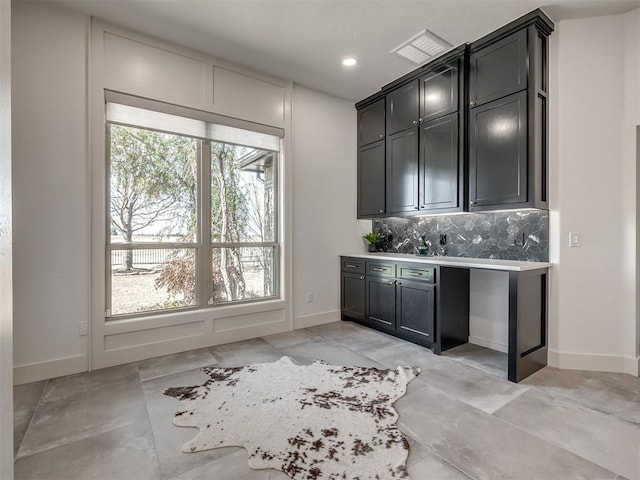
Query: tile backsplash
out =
(512, 235)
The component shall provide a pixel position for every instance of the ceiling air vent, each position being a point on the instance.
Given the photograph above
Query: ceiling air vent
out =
(421, 47)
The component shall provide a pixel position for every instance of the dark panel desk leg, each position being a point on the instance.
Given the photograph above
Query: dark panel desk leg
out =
(528, 312)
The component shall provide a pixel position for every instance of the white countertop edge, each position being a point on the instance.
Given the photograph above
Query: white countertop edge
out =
(485, 263)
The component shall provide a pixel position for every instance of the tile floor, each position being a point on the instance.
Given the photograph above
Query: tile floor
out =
(462, 418)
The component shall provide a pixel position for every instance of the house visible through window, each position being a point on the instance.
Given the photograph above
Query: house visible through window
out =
(192, 213)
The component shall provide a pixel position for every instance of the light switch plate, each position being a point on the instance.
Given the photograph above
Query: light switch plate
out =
(575, 239)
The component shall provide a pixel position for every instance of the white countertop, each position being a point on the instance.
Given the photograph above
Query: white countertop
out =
(485, 263)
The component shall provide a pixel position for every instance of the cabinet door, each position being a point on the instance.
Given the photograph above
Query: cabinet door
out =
(353, 296)
(439, 163)
(402, 171)
(498, 152)
(415, 310)
(439, 94)
(371, 180)
(381, 303)
(403, 107)
(499, 69)
(371, 123)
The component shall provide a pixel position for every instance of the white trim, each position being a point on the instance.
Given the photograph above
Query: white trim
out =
(594, 362)
(487, 343)
(316, 319)
(632, 366)
(174, 332)
(34, 372)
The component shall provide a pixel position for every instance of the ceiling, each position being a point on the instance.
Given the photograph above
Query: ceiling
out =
(305, 40)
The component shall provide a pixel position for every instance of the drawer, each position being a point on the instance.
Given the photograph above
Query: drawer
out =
(354, 265)
(417, 273)
(381, 268)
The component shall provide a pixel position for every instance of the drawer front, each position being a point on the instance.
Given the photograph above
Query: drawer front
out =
(381, 268)
(420, 274)
(353, 265)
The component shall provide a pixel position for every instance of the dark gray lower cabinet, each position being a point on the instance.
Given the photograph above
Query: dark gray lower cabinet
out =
(425, 304)
(415, 311)
(380, 303)
(399, 299)
(353, 295)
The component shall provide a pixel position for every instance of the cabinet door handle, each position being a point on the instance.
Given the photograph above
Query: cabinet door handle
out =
(361, 277)
(398, 283)
(415, 122)
(381, 136)
(377, 269)
(420, 120)
(472, 104)
(422, 206)
(415, 274)
(381, 211)
(472, 202)
(391, 283)
(349, 265)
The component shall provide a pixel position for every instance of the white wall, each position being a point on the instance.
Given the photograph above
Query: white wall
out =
(6, 315)
(594, 81)
(324, 202)
(51, 197)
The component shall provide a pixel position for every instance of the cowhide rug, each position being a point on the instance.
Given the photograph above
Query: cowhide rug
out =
(312, 422)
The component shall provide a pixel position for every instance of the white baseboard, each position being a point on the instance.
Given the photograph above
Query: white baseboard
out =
(594, 362)
(34, 372)
(316, 319)
(632, 366)
(485, 342)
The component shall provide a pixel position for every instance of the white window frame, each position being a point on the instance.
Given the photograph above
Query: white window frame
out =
(203, 245)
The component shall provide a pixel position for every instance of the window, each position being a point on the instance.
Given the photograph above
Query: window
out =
(192, 213)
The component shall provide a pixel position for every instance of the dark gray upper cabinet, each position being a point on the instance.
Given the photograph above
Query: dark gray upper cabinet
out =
(403, 107)
(508, 127)
(372, 180)
(478, 120)
(439, 93)
(440, 167)
(371, 123)
(498, 152)
(402, 171)
(498, 70)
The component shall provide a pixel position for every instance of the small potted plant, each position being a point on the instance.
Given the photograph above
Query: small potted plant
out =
(374, 239)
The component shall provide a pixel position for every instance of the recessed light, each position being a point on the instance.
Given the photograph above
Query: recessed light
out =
(349, 62)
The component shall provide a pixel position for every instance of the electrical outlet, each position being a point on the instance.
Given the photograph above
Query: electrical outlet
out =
(517, 240)
(309, 297)
(83, 329)
(575, 239)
